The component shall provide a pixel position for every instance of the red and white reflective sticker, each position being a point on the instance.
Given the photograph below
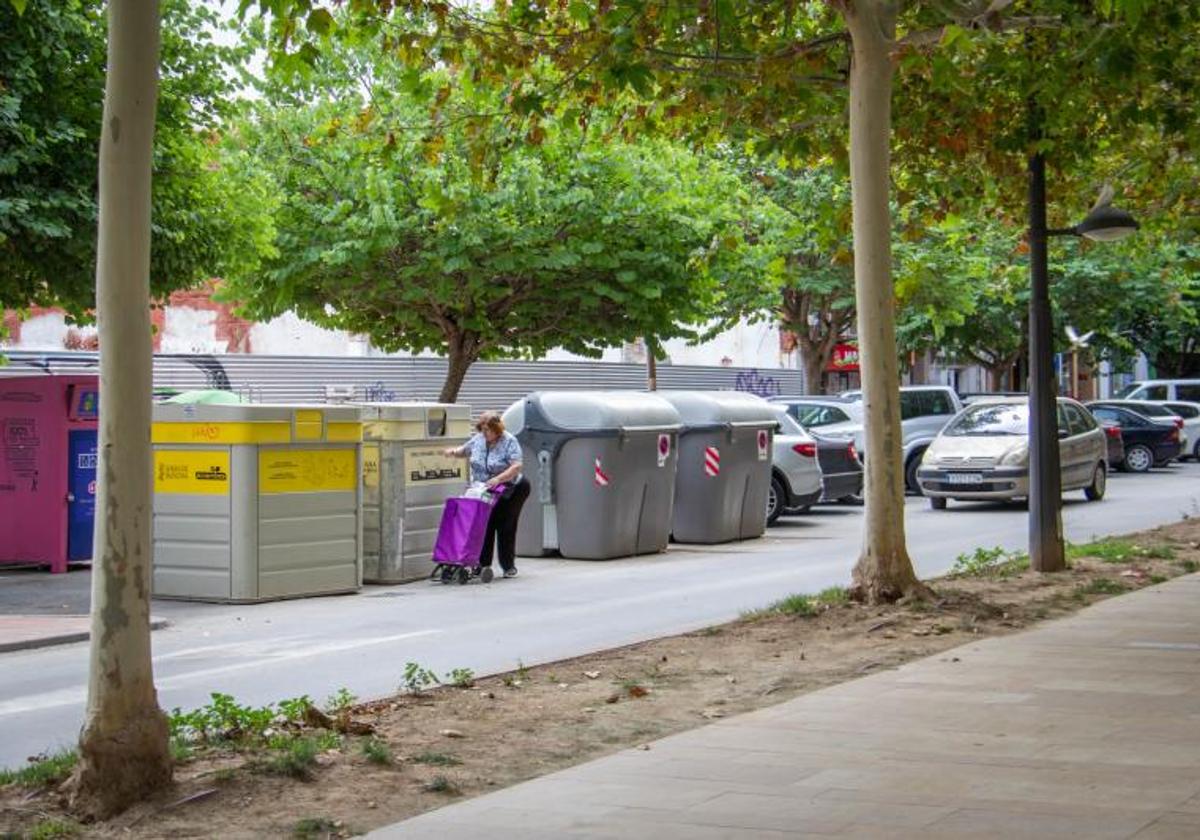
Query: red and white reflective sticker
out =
(764, 443)
(664, 448)
(712, 461)
(602, 478)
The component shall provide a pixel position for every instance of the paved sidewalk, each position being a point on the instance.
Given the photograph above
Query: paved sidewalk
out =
(26, 632)
(1085, 727)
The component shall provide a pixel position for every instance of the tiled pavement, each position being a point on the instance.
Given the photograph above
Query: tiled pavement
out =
(1086, 727)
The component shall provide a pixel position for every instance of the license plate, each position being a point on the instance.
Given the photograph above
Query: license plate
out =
(964, 478)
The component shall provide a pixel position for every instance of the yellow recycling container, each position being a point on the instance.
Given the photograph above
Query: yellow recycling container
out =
(256, 502)
(406, 481)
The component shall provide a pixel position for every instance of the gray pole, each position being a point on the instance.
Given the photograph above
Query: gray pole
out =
(1045, 481)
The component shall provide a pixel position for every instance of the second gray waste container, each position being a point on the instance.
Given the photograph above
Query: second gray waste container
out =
(602, 469)
(724, 465)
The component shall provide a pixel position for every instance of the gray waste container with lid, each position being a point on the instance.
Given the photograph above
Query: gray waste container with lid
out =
(256, 502)
(724, 472)
(602, 469)
(406, 481)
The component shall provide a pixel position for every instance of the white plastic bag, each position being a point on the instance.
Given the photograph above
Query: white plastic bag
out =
(477, 490)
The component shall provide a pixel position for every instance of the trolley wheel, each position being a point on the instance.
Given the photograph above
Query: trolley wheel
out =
(436, 573)
(464, 575)
(486, 575)
(447, 574)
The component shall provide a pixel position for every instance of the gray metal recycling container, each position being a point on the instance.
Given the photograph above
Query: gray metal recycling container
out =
(406, 481)
(602, 468)
(724, 472)
(256, 502)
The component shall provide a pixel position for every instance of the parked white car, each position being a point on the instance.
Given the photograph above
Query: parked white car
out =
(1190, 412)
(983, 453)
(795, 472)
(924, 410)
(1162, 390)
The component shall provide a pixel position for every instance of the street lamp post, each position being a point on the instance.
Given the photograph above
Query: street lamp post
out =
(1104, 223)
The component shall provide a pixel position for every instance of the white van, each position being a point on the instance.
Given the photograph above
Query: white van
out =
(1162, 390)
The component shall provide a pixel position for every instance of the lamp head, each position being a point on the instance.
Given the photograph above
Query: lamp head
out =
(1106, 223)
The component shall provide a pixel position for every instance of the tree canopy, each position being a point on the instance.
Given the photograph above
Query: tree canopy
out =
(52, 60)
(472, 242)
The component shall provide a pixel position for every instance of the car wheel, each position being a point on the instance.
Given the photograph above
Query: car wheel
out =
(937, 502)
(1095, 491)
(1196, 451)
(1138, 458)
(775, 496)
(910, 473)
(854, 499)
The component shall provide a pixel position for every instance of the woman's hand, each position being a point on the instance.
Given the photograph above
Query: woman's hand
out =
(492, 482)
(452, 452)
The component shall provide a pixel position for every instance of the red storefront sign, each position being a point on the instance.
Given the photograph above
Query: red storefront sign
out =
(844, 359)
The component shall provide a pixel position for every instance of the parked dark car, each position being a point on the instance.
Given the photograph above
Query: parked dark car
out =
(841, 470)
(1147, 443)
(1116, 443)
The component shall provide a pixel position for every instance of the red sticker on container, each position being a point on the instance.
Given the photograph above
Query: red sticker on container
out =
(601, 477)
(764, 444)
(664, 448)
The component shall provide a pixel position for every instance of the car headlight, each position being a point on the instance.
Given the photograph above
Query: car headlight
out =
(1018, 456)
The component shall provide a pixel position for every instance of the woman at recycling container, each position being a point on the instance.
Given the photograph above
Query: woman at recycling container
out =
(495, 458)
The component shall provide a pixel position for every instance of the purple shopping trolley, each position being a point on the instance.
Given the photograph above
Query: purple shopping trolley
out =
(460, 538)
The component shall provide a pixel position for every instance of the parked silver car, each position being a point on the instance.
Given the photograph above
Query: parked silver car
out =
(983, 453)
(924, 410)
(795, 472)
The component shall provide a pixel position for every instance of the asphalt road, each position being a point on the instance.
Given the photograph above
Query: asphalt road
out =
(554, 609)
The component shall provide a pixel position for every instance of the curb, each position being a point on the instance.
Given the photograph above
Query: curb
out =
(63, 638)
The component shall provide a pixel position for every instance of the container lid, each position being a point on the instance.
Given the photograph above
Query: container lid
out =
(411, 410)
(718, 408)
(250, 412)
(585, 411)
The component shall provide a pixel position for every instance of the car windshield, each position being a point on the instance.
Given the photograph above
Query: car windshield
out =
(986, 420)
(1128, 389)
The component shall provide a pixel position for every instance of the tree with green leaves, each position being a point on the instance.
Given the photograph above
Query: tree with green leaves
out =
(52, 73)
(464, 242)
(793, 264)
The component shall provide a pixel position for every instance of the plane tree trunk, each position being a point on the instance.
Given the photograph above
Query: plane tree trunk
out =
(123, 748)
(884, 571)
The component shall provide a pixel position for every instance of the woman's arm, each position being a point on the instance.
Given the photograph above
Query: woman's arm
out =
(514, 469)
(463, 451)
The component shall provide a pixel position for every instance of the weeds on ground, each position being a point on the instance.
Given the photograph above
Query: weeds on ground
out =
(45, 770)
(461, 677)
(796, 605)
(224, 720)
(51, 829)
(377, 751)
(440, 784)
(416, 679)
(435, 759)
(295, 760)
(833, 596)
(991, 563)
(315, 828)
(340, 701)
(1099, 586)
(1120, 551)
(1188, 566)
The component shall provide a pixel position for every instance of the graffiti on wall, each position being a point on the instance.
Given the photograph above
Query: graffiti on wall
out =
(753, 382)
(378, 393)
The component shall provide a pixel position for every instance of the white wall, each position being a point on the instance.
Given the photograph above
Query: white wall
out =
(188, 330)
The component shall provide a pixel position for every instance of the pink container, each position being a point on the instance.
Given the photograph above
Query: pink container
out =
(48, 468)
